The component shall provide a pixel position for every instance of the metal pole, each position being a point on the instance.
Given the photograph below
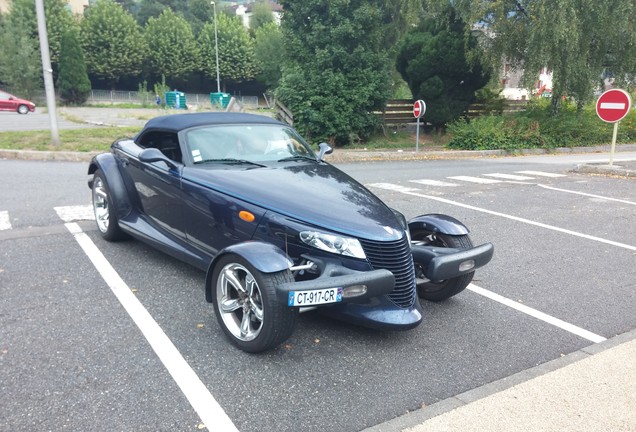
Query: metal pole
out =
(47, 71)
(216, 50)
(417, 136)
(613, 147)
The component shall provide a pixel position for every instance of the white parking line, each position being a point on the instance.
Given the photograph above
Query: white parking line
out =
(208, 409)
(509, 176)
(537, 314)
(434, 183)
(475, 179)
(541, 174)
(75, 213)
(587, 194)
(415, 192)
(5, 222)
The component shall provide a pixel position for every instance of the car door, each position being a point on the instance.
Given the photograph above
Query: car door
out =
(5, 102)
(158, 185)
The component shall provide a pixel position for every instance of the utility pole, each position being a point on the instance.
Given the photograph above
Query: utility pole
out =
(216, 50)
(47, 71)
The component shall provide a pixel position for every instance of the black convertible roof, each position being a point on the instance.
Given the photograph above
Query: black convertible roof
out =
(178, 122)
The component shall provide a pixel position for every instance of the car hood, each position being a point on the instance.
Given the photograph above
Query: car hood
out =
(318, 194)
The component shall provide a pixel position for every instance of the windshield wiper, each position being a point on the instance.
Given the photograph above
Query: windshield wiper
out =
(232, 161)
(297, 157)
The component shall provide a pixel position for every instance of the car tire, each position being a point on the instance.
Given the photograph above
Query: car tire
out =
(107, 222)
(441, 290)
(246, 306)
(23, 109)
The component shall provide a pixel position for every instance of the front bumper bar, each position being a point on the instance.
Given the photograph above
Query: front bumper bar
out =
(446, 263)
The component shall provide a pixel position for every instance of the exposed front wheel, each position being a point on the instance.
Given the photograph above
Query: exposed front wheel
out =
(441, 290)
(23, 109)
(246, 306)
(106, 219)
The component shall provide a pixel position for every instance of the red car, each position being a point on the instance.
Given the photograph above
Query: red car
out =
(8, 102)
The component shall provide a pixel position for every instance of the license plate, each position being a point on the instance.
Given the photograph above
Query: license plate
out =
(314, 297)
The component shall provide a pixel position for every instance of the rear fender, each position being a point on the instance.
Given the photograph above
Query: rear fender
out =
(107, 164)
(437, 223)
(265, 257)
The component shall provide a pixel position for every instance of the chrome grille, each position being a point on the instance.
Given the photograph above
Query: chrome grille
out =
(396, 257)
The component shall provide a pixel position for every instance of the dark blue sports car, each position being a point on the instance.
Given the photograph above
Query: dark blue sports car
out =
(245, 198)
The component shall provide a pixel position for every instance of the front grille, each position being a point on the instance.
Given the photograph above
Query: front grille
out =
(396, 257)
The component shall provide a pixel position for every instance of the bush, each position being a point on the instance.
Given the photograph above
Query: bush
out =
(537, 127)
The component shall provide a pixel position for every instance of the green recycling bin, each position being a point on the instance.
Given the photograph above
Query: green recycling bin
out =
(175, 99)
(220, 99)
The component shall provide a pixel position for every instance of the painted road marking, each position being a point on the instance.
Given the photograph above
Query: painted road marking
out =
(509, 176)
(585, 334)
(208, 409)
(475, 179)
(434, 183)
(5, 222)
(410, 191)
(75, 213)
(541, 174)
(587, 194)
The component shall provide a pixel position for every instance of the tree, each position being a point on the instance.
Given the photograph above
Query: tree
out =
(262, 14)
(269, 51)
(22, 19)
(20, 61)
(236, 50)
(112, 42)
(174, 51)
(72, 83)
(337, 69)
(433, 61)
(579, 40)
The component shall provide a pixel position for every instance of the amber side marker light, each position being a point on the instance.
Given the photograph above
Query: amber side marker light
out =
(246, 216)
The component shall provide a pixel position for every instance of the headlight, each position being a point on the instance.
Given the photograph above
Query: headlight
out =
(334, 244)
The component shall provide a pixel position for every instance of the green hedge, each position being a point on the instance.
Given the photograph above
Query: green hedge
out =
(537, 127)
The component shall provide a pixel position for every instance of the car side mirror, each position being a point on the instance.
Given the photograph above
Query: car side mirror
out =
(152, 154)
(324, 149)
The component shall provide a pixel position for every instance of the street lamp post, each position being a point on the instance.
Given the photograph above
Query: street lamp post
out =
(216, 51)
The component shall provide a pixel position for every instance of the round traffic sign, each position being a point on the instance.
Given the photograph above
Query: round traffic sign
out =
(613, 105)
(419, 108)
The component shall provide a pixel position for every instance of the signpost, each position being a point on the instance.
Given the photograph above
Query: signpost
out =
(419, 108)
(611, 107)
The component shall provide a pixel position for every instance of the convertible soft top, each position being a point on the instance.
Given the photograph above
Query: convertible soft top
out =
(178, 122)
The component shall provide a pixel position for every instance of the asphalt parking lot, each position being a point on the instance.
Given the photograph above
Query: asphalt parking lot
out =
(77, 353)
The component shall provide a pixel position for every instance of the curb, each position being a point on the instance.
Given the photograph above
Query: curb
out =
(419, 416)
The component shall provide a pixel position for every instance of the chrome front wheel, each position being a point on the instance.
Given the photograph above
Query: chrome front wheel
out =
(246, 305)
(105, 217)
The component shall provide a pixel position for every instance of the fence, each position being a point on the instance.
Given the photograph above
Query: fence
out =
(193, 99)
(400, 111)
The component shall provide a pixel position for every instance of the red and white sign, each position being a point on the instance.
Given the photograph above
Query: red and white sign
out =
(613, 105)
(419, 108)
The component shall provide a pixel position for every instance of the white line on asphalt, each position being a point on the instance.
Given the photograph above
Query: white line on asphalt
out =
(475, 179)
(434, 183)
(74, 213)
(5, 222)
(415, 192)
(208, 409)
(537, 314)
(587, 194)
(509, 176)
(541, 174)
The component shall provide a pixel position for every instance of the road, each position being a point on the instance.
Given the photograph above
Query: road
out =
(72, 358)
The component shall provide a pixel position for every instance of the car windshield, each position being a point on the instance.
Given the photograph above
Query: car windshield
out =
(254, 143)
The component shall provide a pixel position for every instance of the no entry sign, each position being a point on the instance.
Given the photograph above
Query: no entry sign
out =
(613, 105)
(419, 108)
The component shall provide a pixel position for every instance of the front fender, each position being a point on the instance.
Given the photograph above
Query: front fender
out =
(107, 164)
(437, 223)
(265, 257)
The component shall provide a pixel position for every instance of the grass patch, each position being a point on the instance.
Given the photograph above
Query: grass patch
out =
(80, 140)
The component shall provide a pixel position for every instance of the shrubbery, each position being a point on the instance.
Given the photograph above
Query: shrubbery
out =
(537, 127)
